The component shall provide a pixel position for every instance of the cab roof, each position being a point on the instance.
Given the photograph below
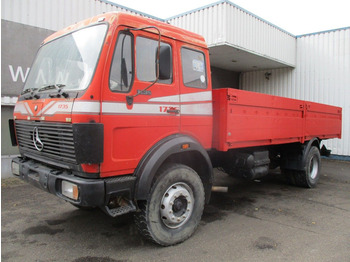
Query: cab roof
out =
(134, 21)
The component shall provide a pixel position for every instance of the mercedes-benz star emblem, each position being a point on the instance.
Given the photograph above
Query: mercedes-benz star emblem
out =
(35, 108)
(36, 140)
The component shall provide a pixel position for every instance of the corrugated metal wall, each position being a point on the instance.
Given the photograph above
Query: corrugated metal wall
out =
(55, 14)
(206, 22)
(322, 74)
(226, 23)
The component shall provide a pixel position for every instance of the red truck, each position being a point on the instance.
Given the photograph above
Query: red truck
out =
(118, 112)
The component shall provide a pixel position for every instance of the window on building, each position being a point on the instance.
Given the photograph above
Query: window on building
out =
(193, 68)
(121, 74)
(146, 57)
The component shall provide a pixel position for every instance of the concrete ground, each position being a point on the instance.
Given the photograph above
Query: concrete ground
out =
(265, 220)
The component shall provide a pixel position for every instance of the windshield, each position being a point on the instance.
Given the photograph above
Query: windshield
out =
(67, 62)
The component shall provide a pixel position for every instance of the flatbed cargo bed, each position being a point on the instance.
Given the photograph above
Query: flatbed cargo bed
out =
(248, 119)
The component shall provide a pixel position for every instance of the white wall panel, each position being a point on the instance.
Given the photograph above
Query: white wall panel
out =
(225, 23)
(322, 74)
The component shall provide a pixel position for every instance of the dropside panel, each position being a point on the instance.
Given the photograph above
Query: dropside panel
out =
(322, 121)
(247, 119)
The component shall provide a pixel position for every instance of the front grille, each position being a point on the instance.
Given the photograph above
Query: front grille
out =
(57, 140)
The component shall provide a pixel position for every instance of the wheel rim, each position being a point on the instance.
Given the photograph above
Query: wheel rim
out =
(313, 168)
(176, 205)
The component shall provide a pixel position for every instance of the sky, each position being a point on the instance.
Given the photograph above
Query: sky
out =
(296, 17)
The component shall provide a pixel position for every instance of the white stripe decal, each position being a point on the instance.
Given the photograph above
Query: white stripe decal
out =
(193, 97)
(86, 107)
(166, 99)
(28, 109)
(58, 108)
(196, 97)
(46, 107)
(89, 107)
(140, 109)
(20, 108)
(156, 109)
(78, 107)
(205, 109)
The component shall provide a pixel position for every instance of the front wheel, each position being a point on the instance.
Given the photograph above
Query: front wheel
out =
(174, 206)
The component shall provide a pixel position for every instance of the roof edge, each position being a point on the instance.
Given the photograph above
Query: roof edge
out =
(133, 10)
(324, 32)
(218, 3)
(234, 5)
(196, 9)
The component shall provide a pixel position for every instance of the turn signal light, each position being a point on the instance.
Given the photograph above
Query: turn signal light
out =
(70, 190)
(15, 168)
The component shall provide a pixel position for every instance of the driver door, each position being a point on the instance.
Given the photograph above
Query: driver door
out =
(135, 112)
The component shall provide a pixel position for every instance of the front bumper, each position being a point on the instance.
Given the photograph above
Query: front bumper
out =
(92, 192)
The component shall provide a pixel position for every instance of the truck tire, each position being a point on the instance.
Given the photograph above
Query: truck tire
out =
(174, 206)
(308, 177)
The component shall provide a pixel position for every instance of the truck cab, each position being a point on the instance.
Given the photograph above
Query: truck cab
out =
(109, 103)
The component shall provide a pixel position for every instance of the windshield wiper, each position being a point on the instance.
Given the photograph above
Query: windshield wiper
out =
(28, 90)
(32, 92)
(55, 86)
(52, 86)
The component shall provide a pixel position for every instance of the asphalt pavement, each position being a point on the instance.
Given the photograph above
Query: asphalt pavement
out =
(263, 220)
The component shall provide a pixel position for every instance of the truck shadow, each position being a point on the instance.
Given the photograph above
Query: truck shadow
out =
(242, 195)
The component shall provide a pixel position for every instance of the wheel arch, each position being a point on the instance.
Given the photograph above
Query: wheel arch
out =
(308, 145)
(313, 142)
(170, 150)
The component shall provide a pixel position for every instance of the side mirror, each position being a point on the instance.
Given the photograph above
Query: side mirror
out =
(164, 63)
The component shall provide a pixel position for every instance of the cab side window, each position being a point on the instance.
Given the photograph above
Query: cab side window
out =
(146, 57)
(193, 68)
(121, 73)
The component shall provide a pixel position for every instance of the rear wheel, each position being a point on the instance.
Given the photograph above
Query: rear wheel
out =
(174, 207)
(308, 177)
